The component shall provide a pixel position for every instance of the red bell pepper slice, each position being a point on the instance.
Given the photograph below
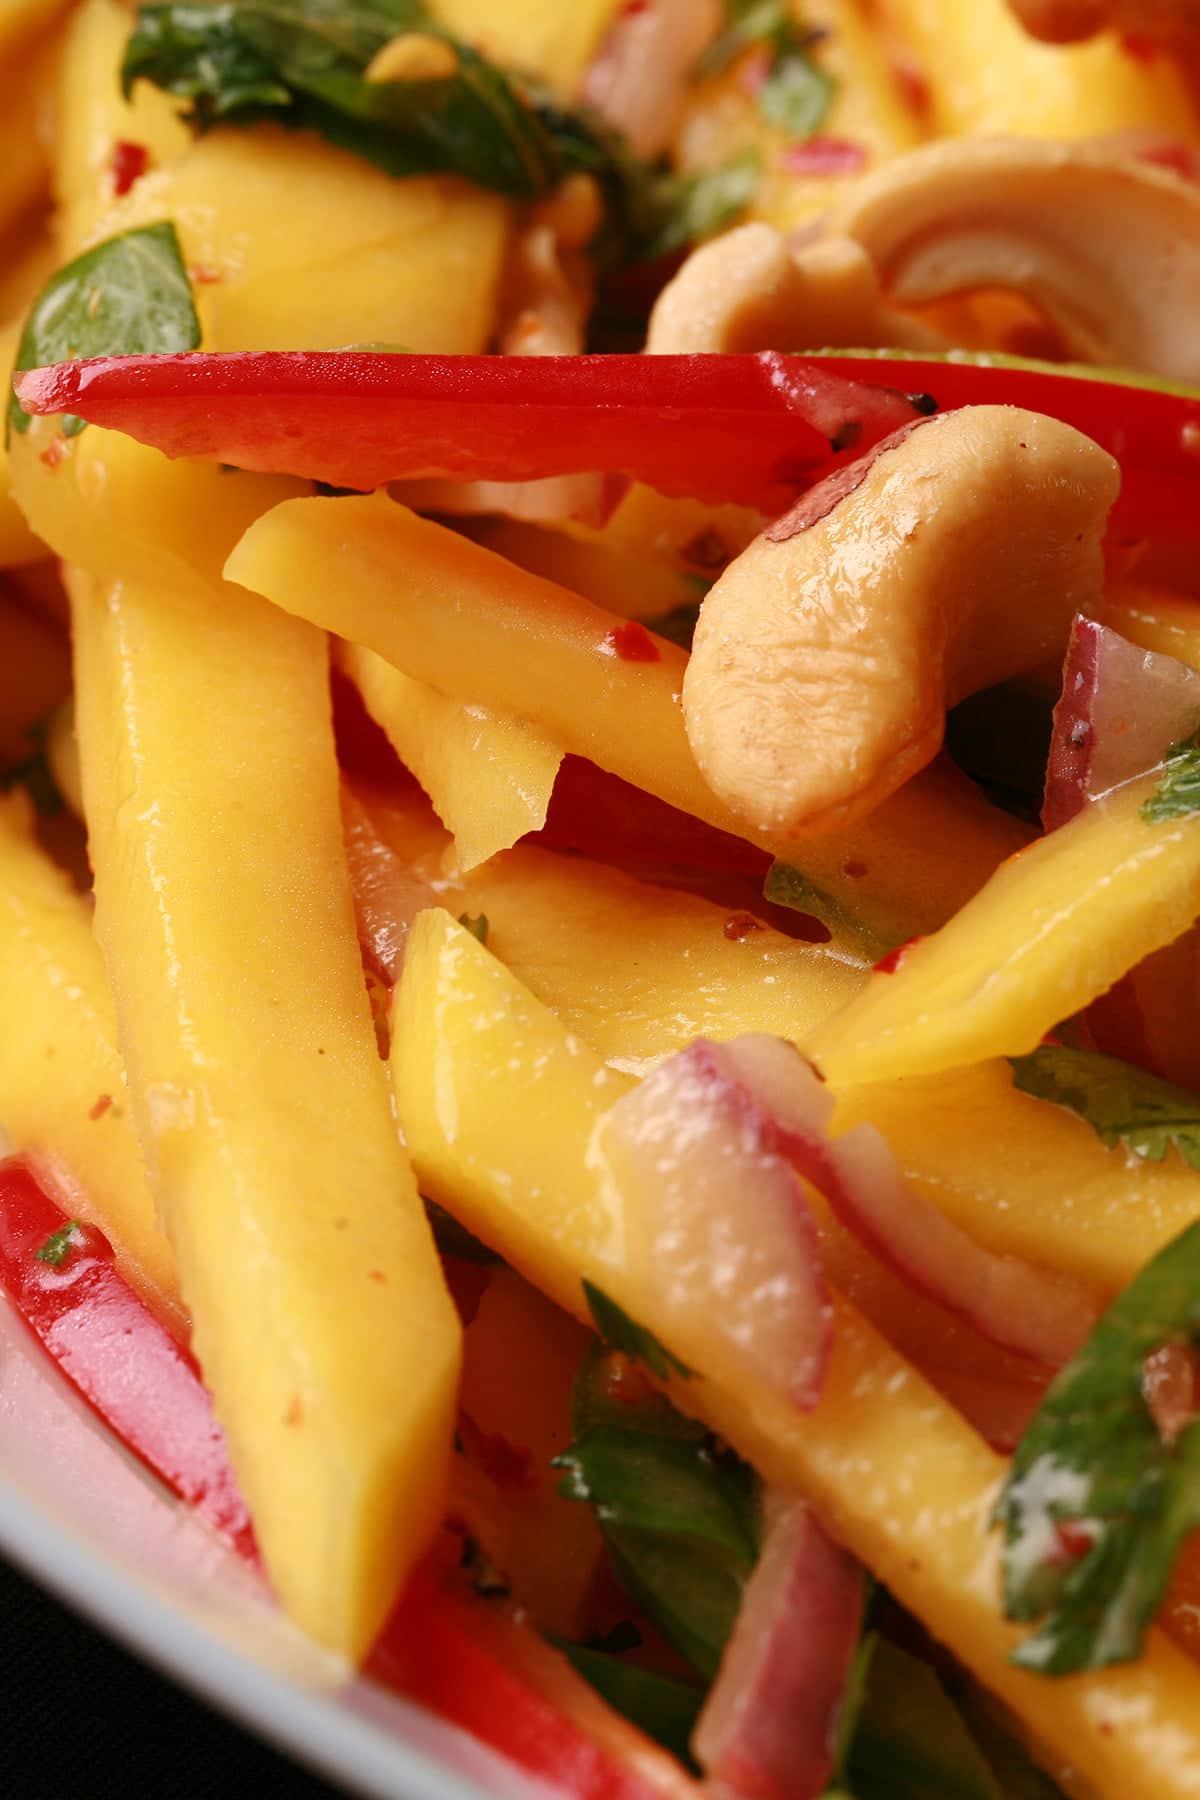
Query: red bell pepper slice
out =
(744, 428)
(473, 1662)
(62, 1279)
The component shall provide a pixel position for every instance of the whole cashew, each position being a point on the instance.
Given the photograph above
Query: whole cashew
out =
(1108, 247)
(749, 290)
(951, 557)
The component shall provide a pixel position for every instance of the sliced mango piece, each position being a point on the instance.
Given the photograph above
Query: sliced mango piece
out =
(869, 118)
(895, 1473)
(95, 117)
(633, 580)
(489, 776)
(455, 615)
(62, 1086)
(555, 42)
(28, 120)
(224, 912)
(1056, 926)
(987, 75)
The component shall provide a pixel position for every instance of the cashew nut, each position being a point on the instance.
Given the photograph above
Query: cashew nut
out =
(1107, 247)
(749, 290)
(951, 557)
(1067, 21)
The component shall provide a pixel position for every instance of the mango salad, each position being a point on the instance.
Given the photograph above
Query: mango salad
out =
(600, 855)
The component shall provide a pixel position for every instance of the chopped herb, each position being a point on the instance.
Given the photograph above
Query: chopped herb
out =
(127, 296)
(689, 208)
(478, 926)
(303, 64)
(1123, 1105)
(620, 1332)
(453, 1239)
(57, 1246)
(790, 887)
(664, 1709)
(909, 1740)
(680, 1516)
(1098, 1504)
(796, 94)
(1178, 794)
(679, 625)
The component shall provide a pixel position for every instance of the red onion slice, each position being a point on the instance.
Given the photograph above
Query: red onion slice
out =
(719, 1234)
(640, 73)
(769, 1727)
(1121, 710)
(387, 897)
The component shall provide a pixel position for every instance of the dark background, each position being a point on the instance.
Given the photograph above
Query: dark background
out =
(85, 1720)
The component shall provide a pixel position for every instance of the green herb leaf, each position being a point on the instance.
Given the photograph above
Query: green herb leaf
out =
(621, 1332)
(679, 625)
(909, 1741)
(747, 22)
(1178, 793)
(797, 94)
(686, 209)
(665, 1710)
(128, 296)
(57, 1247)
(680, 1517)
(1097, 1504)
(791, 887)
(478, 926)
(1124, 1105)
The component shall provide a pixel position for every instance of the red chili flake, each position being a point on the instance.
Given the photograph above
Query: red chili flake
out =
(128, 163)
(887, 965)
(204, 276)
(740, 925)
(1142, 49)
(101, 1107)
(853, 869)
(913, 83)
(54, 452)
(1175, 155)
(625, 1381)
(1074, 1537)
(508, 1465)
(825, 156)
(632, 8)
(631, 642)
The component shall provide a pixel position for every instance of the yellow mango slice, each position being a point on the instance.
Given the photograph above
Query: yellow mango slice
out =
(987, 75)
(556, 42)
(94, 116)
(868, 110)
(416, 263)
(490, 777)
(1056, 926)
(224, 912)
(632, 580)
(28, 117)
(23, 19)
(895, 1473)
(456, 616)
(62, 1086)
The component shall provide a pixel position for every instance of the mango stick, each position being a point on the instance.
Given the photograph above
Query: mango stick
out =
(452, 614)
(987, 75)
(490, 777)
(1056, 926)
(224, 912)
(62, 1086)
(895, 1473)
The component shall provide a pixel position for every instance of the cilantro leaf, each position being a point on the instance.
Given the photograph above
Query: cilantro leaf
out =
(664, 1709)
(680, 1517)
(125, 297)
(620, 1332)
(1178, 793)
(57, 1247)
(1124, 1105)
(1097, 1504)
(797, 93)
(303, 63)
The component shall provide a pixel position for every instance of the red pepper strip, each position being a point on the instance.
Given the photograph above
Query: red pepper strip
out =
(463, 1656)
(746, 428)
(114, 1351)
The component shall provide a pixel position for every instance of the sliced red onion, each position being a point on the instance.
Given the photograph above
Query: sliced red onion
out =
(718, 1230)
(769, 1727)
(1036, 1313)
(387, 896)
(1121, 710)
(639, 77)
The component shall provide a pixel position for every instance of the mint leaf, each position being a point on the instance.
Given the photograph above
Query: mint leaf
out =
(1097, 1505)
(1178, 793)
(664, 1709)
(680, 1517)
(1123, 1105)
(128, 296)
(57, 1247)
(620, 1332)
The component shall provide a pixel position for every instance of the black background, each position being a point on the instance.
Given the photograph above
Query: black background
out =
(85, 1720)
